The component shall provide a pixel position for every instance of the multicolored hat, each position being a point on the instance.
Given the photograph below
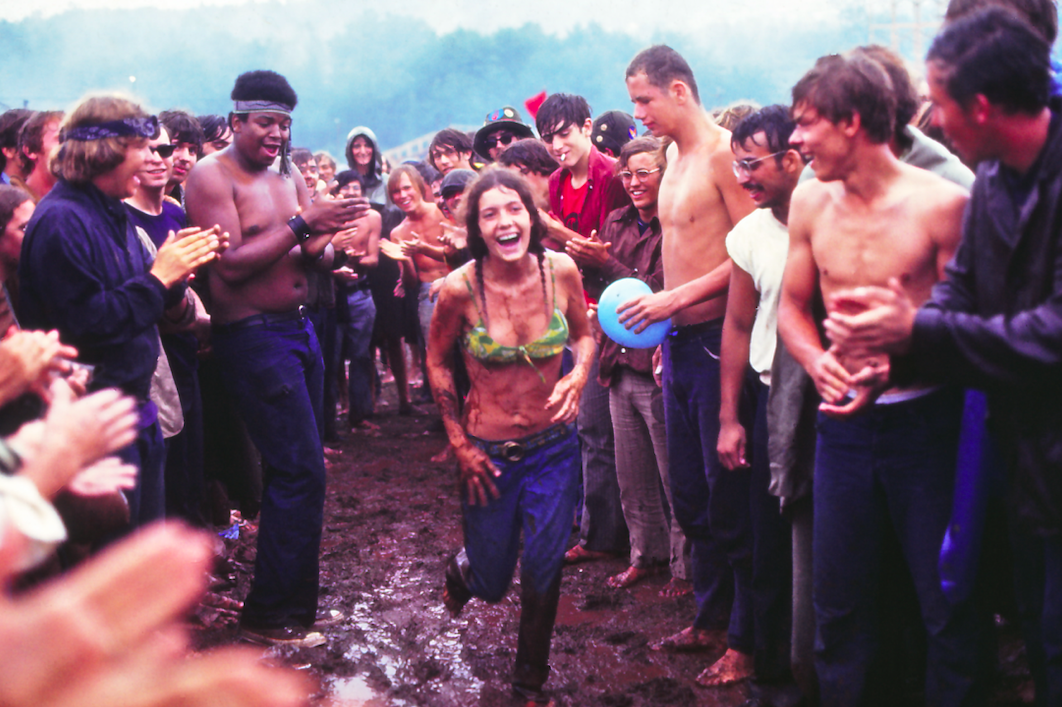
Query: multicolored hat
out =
(505, 118)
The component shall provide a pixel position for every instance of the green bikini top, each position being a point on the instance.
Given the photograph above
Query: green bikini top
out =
(480, 345)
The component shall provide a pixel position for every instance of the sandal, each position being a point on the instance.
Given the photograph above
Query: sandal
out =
(580, 554)
(630, 576)
(688, 640)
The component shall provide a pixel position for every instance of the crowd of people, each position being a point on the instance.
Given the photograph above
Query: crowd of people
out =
(856, 400)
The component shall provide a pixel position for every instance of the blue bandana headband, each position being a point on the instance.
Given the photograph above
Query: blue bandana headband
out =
(147, 127)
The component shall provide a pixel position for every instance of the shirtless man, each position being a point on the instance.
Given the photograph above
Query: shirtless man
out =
(264, 343)
(361, 242)
(419, 236)
(700, 201)
(866, 219)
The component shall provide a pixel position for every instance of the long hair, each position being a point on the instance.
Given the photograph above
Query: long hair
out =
(506, 179)
(81, 161)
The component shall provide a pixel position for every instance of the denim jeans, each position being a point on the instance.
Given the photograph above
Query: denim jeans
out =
(889, 470)
(326, 328)
(711, 503)
(425, 308)
(358, 335)
(601, 528)
(274, 372)
(185, 483)
(147, 500)
(637, 407)
(1038, 592)
(537, 495)
(772, 555)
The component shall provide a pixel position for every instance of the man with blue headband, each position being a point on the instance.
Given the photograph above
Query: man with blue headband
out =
(85, 272)
(265, 345)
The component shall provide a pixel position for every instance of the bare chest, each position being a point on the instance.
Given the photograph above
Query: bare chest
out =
(264, 202)
(853, 248)
(692, 216)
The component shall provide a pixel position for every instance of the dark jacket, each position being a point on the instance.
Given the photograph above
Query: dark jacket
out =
(995, 323)
(85, 272)
(633, 254)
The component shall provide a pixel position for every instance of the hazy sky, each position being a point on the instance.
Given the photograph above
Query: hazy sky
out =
(488, 15)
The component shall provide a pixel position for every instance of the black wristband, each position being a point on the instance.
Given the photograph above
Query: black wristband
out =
(300, 228)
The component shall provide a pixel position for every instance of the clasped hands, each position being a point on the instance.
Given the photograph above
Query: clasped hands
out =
(866, 323)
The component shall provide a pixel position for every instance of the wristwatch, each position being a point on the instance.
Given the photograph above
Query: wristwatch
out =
(300, 228)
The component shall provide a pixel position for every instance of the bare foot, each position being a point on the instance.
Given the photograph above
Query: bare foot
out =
(733, 667)
(677, 588)
(688, 640)
(630, 576)
(444, 456)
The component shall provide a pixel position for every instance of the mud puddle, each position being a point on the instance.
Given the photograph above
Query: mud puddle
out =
(392, 518)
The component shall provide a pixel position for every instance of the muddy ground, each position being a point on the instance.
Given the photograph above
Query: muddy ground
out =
(391, 520)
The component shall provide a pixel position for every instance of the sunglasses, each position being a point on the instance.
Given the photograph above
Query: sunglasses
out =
(643, 174)
(500, 138)
(163, 151)
(745, 167)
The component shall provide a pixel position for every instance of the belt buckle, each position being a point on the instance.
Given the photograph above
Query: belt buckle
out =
(512, 451)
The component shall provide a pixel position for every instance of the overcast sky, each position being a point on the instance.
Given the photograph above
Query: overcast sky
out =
(553, 15)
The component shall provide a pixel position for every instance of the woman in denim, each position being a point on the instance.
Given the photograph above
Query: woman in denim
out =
(513, 310)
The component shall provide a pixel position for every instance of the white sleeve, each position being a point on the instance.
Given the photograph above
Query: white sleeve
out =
(23, 509)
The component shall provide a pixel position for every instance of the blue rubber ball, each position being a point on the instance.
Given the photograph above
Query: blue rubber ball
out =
(620, 292)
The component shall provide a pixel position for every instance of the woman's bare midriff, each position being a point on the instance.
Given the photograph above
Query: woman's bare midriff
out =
(508, 400)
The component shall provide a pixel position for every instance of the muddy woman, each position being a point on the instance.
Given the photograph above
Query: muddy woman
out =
(513, 309)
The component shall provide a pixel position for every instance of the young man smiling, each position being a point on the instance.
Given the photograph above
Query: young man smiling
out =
(582, 193)
(186, 137)
(450, 149)
(585, 188)
(158, 215)
(632, 238)
(419, 235)
(768, 169)
(866, 219)
(993, 322)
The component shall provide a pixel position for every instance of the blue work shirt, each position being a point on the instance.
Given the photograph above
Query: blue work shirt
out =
(85, 272)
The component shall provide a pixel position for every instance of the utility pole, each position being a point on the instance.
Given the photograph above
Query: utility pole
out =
(906, 23)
